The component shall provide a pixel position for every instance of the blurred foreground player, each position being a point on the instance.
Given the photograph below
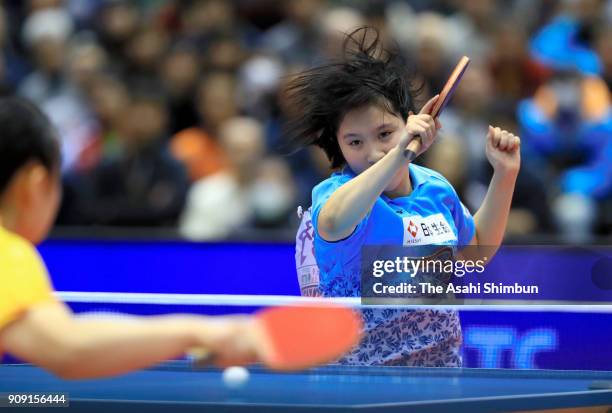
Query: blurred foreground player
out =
(34, 325)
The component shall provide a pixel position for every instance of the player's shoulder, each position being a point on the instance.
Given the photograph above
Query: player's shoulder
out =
(430, 176)
(334, 181)
(16, 250)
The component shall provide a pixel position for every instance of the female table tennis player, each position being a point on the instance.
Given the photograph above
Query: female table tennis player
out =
(35, 326)
(360, 112)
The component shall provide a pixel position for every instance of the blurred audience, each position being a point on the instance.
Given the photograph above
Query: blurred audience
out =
(142, 185)
(171, 112)
(179, 74)
(567, 130)
(253, 190)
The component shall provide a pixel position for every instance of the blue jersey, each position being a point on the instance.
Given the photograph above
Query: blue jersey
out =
(431, 215)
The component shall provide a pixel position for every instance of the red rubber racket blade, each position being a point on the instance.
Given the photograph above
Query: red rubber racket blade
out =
(450, 86)
(447, 91)
(296, 338)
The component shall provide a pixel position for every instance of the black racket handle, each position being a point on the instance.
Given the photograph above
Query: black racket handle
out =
(413, 147)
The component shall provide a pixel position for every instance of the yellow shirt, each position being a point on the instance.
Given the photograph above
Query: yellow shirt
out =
(24, 281)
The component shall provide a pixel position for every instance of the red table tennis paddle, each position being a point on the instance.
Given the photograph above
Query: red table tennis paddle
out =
(295, 338)
(443, 99)
(302, 337)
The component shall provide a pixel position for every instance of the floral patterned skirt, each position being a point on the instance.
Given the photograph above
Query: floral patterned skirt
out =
(418, 338)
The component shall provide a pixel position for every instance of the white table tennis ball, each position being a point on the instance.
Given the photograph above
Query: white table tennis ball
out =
(235, 377)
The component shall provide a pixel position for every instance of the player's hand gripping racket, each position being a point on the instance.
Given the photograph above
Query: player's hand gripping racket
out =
(295, 338)
(447, 91)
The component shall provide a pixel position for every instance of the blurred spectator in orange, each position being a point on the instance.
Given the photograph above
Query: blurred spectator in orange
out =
(201, 155)
(252, 191)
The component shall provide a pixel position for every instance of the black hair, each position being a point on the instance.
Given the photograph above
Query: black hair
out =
(366, 74)
(26, 134)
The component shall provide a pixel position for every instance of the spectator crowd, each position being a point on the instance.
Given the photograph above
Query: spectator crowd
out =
(170, 112)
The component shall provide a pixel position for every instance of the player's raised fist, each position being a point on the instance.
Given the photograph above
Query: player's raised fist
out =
(503, 150)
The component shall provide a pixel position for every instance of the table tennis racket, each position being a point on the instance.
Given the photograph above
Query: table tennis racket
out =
(295, 338)
(447, 91)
